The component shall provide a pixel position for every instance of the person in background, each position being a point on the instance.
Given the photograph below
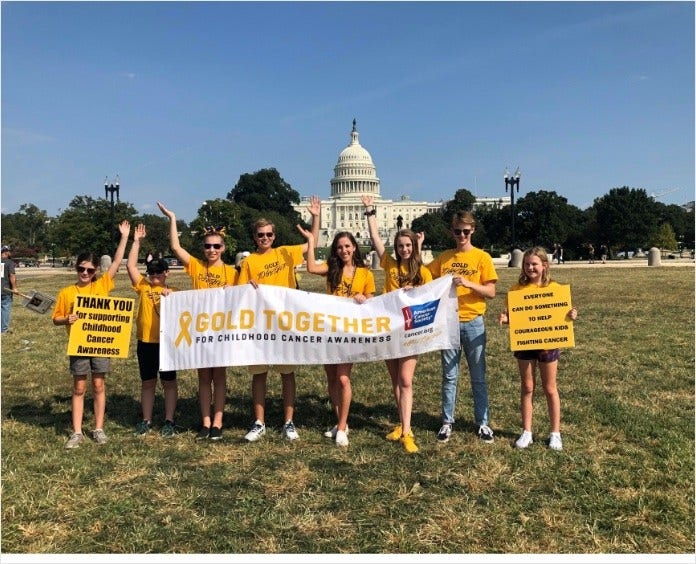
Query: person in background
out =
(403, 272)
(209, 273)
(274, 266)
(346, 277)
(151, 289)
(474, 277)
(88, 284)
(536, 272)
(9, 286)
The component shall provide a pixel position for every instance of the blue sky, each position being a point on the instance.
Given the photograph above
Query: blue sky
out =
(181, 98)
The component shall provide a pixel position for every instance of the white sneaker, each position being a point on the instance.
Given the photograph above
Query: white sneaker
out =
(342, 438)
(525, 440)
(555, 441)
(289, 431)
(331, 433)
(257, 431)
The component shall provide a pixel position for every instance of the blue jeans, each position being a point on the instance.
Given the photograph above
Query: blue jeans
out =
(6, 311)
(473, 343)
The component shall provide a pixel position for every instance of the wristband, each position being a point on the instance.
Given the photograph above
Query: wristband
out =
(369, 213)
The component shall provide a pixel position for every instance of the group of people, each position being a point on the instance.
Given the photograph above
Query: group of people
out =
(473, 275)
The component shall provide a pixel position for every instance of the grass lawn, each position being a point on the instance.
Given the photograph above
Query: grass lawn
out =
(624, 483)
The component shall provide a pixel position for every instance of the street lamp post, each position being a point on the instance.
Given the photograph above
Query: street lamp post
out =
(110, 189)
(512, 182)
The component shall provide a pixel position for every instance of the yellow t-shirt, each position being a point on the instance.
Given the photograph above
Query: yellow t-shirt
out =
(474, 265)
(275, 267)
(204, 276)
(392, 271)
(362, 282)
(148, 318)
(65, 302)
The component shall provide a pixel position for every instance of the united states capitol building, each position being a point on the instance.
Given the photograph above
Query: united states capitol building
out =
(355, 175)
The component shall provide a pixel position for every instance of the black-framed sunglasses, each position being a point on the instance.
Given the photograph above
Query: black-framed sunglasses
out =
(261, 235)
(86, 269)
(216, 246)
(466, 232)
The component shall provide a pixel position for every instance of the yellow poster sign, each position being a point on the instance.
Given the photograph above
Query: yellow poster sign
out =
(539, 318)
(103, 327)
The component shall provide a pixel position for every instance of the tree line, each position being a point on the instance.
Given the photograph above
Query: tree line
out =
(624, 219)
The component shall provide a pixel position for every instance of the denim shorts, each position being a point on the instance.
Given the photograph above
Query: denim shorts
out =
(551, 355)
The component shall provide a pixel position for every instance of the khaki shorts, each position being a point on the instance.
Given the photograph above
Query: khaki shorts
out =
(261, 368)
(84, 365)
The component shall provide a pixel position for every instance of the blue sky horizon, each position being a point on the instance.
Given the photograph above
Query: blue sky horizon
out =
(181, 98)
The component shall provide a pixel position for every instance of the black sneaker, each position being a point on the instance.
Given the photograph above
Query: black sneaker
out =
(203, 434)
(485, 433)
(215, 434)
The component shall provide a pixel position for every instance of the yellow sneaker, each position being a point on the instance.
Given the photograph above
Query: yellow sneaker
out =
(409, 443)
(395, 435)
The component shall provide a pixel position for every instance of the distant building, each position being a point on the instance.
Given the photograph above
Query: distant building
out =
(354, 175)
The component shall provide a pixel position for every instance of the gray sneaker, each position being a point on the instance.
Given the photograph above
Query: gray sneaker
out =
(99, 436)
(74, 440)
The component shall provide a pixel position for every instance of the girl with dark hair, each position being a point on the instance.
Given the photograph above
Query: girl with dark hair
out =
(347, 277)
(80, 366)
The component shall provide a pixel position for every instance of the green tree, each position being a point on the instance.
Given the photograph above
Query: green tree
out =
(86, 226)
(664, 238)
(626, 218)
(26, 231)
(265, 190)
(544, 218)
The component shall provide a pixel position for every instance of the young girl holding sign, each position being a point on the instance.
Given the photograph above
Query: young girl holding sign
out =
(209, 273)
(80, 366)
(535, 272)
(347, 277)
(403, 272)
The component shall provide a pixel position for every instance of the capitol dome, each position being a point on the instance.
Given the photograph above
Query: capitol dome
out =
(355, 173)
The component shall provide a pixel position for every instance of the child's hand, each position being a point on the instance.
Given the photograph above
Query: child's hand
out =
(573, 313)
(367, 200)
(124, 227)
(314, 206)
(307, 234)
(503, 318)
(165, 211)
(140, 232)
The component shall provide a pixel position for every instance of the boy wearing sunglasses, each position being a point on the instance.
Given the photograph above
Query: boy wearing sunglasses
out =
(209, 273)
(474, 277)
(80, 366)
(151, 289)
(274, 266)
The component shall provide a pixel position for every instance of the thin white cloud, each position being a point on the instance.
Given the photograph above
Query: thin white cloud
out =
(23, 137)
(128, 75)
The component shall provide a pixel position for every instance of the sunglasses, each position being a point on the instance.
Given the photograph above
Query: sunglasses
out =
(82, 269)
(262, 235)
(216, 246)
(466, 232)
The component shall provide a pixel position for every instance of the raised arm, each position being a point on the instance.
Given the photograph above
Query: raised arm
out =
(312, 266)
(181, 253)
(314, 208)
(132, 264)
(124, 228)
(372, 225)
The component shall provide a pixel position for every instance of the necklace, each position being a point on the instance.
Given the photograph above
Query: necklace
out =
(349, 287)
(208, 276)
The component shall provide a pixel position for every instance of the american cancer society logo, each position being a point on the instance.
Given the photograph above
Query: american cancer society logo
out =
(419, 315)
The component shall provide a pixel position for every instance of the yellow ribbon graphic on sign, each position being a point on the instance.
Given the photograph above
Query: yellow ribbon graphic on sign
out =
(184, 324)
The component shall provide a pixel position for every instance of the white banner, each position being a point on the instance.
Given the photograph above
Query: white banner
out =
(241, 325)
